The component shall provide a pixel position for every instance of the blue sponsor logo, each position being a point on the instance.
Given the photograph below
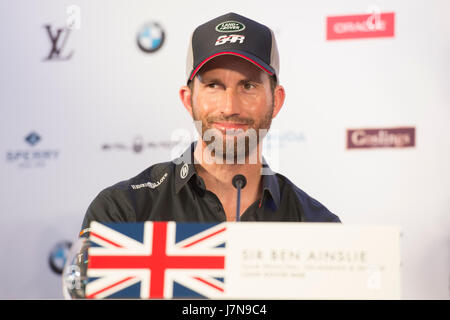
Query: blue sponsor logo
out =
(33, 138)
(27, 158)
(284, 138)
(58, 256)
(150, 37)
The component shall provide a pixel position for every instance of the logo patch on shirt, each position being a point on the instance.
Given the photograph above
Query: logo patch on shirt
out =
(184, 171)
(151, 185)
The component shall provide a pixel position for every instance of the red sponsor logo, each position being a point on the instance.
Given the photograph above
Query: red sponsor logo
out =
(381, 138)
(371, 25)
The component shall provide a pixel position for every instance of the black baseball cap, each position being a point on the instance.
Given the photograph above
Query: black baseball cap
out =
(233, 34)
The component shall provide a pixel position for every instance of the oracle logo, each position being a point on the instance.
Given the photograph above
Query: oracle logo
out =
(381, 138)
(373, 25)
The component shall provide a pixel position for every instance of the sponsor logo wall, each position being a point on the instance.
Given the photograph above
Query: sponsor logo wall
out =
(91, 99)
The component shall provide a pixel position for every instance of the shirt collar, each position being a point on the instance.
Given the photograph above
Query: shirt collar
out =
(185, 170)
(270, 183)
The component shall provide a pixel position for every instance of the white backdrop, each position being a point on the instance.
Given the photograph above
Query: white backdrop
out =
(111, 92)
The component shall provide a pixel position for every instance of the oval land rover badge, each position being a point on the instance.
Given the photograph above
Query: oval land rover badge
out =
(230, 26)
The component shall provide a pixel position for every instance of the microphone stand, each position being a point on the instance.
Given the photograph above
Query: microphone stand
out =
(239, 182)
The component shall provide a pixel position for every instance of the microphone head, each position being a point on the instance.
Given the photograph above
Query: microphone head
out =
(239, 180)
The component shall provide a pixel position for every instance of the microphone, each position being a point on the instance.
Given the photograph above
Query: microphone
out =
(239, 183)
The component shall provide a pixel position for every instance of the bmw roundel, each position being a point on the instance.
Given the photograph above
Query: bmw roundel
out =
(58, 256)
(150, 37)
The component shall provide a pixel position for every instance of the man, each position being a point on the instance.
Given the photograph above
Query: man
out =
(233, 94)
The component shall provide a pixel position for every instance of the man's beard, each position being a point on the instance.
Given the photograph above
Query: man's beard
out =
(237, 145)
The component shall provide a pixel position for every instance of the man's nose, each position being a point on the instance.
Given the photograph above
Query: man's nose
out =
(231, 103)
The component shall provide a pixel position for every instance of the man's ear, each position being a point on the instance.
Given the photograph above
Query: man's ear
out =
(185, 96)
(278, 99)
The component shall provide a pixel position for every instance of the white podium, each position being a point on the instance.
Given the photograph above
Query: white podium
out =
(245, 260)
(313, 261)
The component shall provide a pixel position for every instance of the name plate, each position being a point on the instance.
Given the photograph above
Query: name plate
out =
(246, 260)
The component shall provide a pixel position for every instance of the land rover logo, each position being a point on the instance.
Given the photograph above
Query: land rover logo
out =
(230, 26)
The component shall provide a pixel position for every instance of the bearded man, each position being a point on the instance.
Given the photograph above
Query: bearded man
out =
(232, 92)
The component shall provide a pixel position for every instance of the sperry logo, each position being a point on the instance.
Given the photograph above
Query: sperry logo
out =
(231, 39)
(230, 26)
(381, 138)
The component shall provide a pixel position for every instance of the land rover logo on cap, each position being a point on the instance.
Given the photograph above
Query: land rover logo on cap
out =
(230, 26)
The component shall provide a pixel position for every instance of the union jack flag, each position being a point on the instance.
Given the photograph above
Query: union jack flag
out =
(156, 260)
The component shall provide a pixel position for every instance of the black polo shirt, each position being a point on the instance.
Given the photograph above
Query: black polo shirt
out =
(173, 191)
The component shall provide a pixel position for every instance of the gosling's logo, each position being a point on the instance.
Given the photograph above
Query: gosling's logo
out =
(401, 137)
(230, 26)
(184, 171)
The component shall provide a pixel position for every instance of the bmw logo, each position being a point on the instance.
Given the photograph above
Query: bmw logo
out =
(58, 256)
(150, 37)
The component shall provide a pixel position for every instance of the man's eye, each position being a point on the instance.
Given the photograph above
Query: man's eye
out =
(248, 86)
(212, 85)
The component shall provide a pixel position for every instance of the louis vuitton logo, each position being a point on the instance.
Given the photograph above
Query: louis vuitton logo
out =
(58, 41)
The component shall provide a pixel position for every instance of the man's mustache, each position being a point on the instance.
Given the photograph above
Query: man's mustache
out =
(234, 119)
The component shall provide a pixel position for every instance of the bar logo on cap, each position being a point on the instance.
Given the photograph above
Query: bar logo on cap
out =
(231, 39)
(230, 26)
